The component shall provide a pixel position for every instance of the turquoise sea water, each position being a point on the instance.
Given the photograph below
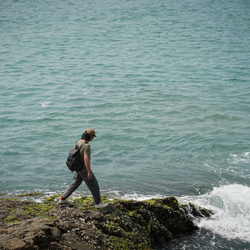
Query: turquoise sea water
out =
(166, 86)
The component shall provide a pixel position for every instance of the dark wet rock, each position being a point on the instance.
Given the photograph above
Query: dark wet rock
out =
(121, 225)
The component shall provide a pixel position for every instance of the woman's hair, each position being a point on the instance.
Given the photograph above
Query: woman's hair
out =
(86, 136)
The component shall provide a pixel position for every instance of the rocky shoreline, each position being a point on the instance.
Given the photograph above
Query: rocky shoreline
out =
(122, 224)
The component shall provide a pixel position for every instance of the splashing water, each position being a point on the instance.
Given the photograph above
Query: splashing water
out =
(231, 206)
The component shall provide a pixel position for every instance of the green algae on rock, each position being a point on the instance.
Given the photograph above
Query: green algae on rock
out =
(124, 224)
(30, 194)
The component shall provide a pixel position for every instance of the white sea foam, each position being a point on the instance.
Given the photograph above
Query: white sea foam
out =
(114, 194)
(231, 204)
(118, 194)
(45, 104)
(140, 197)
(242, 158)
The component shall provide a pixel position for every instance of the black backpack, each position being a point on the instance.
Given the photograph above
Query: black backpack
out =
(74, 160)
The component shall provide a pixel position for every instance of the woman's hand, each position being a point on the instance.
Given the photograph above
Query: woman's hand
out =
(90, 176)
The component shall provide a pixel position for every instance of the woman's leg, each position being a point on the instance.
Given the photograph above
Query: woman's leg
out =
(77, 180)
(92, 185)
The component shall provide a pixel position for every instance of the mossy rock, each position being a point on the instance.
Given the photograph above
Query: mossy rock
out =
(84, 202)
(30, 194)
(122, 225)
(196, 211)
(22, 210)
(51, 199)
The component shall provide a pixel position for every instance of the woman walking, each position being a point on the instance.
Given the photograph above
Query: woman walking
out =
(85, 174)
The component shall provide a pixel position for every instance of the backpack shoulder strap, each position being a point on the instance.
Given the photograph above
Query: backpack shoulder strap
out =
(76, 146)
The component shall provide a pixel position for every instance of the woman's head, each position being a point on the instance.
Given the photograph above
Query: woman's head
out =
(88, 134)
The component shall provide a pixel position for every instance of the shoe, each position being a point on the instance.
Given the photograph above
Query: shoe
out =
(101, 205)
(63, 202)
